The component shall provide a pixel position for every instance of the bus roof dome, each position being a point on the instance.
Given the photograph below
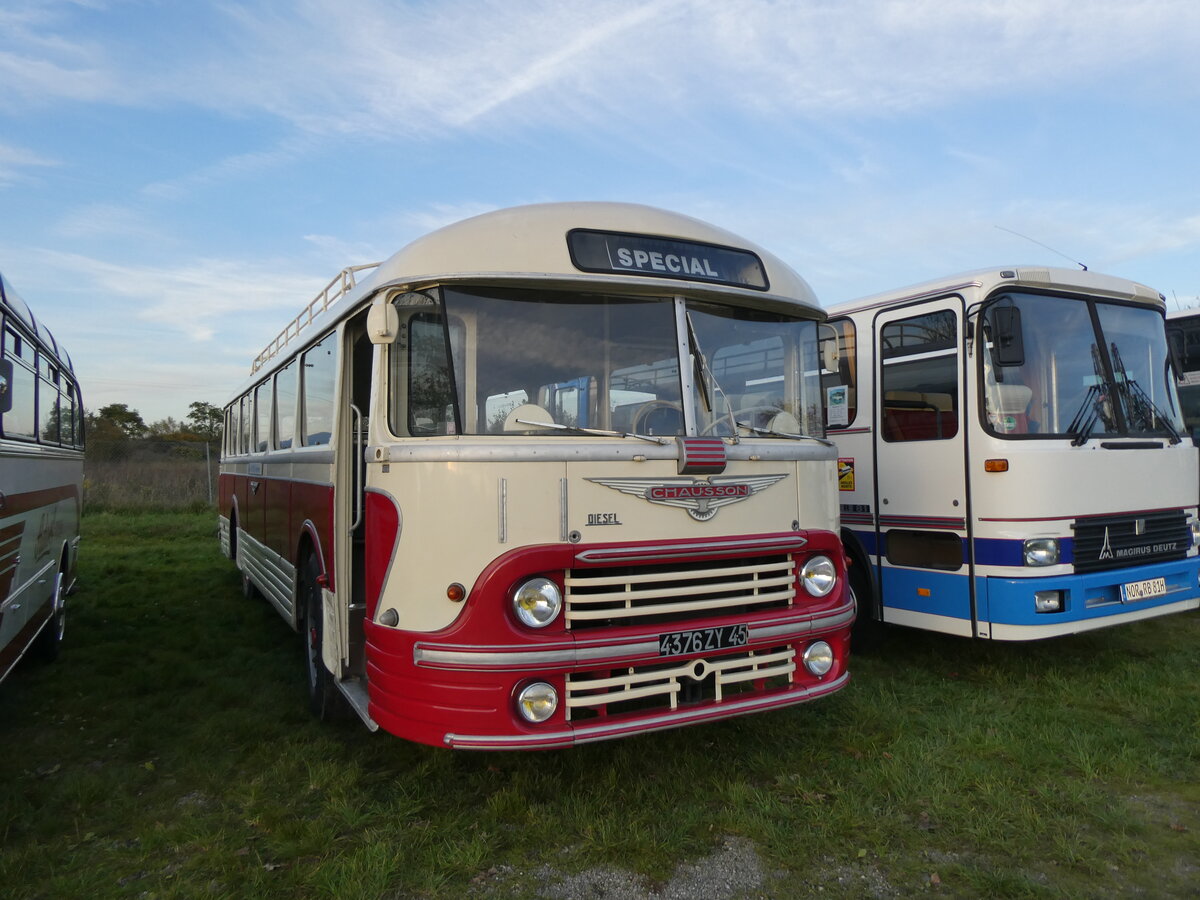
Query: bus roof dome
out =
(531, 244)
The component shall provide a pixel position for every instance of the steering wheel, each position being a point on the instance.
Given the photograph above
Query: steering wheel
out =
(737, 415)
(650, 408)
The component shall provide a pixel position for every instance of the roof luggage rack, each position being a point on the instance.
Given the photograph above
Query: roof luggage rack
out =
(342, 283)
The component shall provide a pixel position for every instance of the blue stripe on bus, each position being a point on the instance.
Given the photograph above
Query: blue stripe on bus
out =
(988, 551)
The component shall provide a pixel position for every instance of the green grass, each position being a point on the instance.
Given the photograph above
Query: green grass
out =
(168, 754)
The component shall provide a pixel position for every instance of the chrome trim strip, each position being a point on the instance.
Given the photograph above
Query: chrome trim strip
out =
(652, 552)
(502, 526)
(596, 651)
(563, 524)
(580, 448)
(584, 734)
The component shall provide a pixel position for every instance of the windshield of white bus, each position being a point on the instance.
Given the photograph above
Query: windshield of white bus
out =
(1076, 368)
(538, 362)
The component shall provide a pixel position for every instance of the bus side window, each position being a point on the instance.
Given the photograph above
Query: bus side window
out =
(840, 385)
(285, 405)
(920, 378)
(20, 420)
(247, 424)
(430, 388)
(320, 376)
(262, 403)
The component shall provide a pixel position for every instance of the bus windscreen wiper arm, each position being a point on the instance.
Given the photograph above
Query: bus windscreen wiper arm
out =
(579, 429)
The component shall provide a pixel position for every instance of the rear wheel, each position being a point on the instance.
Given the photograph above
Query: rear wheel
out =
(324, 699)
(49, 642)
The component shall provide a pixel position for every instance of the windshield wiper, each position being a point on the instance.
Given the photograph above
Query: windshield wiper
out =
(1080, 428)
(598, 432)
(786, 434)
(1138, 404)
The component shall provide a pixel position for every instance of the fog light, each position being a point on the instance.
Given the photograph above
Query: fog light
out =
(537, 702)
(1041, 552)
(1048, 601)
(818, 658)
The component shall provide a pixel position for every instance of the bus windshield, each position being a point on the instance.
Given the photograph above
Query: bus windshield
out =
(503, 361)
(1076, 368)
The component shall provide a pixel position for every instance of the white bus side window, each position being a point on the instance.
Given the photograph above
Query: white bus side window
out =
(920, 378)
(320, 375)
(265, 412)
(841, 385)
(285, 405)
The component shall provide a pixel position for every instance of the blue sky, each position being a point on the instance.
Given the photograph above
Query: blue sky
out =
(177, 178)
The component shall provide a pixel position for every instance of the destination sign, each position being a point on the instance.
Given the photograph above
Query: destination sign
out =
(611, 251)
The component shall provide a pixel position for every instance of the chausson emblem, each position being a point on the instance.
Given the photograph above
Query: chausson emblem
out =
(701, 498)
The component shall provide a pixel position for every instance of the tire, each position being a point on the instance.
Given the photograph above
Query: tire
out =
(325, 701)
(48, 643)
(249, 591)
(867, 633)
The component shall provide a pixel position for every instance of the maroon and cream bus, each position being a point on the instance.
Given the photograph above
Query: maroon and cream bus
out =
(550, 475)
(41, 483)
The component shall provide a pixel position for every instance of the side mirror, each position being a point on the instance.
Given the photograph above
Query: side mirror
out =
(1008, 340)
(383, 322)
(6, 374)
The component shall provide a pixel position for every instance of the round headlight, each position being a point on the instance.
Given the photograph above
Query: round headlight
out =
(1041, 552)
(537, 702)
(818, 576)
(537, 602)
(818, 658)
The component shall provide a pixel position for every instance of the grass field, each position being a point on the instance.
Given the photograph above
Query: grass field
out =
(168, 754)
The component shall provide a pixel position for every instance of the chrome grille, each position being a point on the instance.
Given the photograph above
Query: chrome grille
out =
(638, 595)
(667, 685)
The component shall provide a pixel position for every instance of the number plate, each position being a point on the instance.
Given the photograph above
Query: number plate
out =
(679, 643)
(1143, 590)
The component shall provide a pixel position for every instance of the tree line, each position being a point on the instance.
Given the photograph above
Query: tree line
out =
(115, 431)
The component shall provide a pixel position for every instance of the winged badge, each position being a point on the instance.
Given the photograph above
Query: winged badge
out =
(701, 498)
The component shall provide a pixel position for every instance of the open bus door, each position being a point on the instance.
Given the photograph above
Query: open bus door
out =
(921, 487)
(344, 609)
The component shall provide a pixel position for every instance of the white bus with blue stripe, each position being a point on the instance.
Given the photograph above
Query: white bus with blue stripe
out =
(1013, 462)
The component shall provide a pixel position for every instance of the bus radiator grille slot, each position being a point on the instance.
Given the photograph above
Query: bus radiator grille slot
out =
(667, 686)
(656, 594)
(1117, 542)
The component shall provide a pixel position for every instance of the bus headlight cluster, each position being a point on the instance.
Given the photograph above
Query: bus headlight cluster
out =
(537, 602)
(537, 702)
(1194, 525)
(818, 576)
(818, 658)
(1041, 552)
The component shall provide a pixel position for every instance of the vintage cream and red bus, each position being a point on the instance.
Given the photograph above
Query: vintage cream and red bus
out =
(1012, 461)
(553, 474)
(41, 483)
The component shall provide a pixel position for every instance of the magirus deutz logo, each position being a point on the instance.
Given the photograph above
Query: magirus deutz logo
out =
(701, 498)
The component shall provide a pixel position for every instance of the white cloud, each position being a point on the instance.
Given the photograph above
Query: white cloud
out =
(420, 68)
(15, 163)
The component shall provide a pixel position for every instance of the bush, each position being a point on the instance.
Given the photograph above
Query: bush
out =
(148, 475)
